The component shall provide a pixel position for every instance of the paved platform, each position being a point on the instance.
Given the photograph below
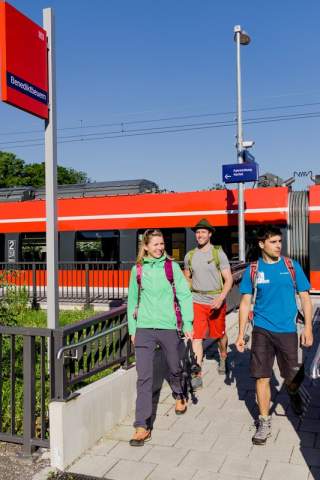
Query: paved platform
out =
(213, 440)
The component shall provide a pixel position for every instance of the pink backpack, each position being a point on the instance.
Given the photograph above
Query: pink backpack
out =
(169, 274)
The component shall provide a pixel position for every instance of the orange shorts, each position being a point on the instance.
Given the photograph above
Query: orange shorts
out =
(208, 323)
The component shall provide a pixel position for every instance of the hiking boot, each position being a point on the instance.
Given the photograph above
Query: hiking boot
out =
(263, 431)
(140, 436)
(196, 382)
(181, 406)
(222, 367)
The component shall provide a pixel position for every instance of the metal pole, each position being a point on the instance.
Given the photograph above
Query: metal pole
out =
(51, 179)
(241, 224)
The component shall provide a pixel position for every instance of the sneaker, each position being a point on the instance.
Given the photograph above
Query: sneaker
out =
(196, 382)
(222, 367)
(140, 436)
(181, 406)
(263, 431)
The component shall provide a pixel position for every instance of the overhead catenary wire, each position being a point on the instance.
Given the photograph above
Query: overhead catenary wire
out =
(158, 130)
(83, 127)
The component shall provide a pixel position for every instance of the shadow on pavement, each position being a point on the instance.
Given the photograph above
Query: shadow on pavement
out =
(307, 428)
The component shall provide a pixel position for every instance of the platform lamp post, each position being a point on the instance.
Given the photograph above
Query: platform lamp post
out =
(241, 38)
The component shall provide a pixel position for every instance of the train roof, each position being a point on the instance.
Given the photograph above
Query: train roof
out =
(92, 189)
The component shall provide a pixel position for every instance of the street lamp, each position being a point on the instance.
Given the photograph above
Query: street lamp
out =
(241, 38)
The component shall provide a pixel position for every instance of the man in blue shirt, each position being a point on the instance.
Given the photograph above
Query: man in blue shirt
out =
(274, 322)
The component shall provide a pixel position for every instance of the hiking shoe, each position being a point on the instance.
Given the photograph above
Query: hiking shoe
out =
(140, 436)
(263, 431)
(181, 406)
(196, 382)
(222, 367)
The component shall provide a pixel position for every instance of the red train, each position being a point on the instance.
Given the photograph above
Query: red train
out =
(99, 226)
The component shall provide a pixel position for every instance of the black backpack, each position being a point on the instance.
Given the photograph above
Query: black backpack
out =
(190, 368)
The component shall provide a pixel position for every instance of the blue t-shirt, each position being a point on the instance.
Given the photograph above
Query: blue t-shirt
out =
(275, 307)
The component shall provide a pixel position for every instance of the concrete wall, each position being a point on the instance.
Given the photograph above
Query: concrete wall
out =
(78, 424)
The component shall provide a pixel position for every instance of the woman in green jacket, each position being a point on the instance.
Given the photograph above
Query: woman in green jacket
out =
(153, 321)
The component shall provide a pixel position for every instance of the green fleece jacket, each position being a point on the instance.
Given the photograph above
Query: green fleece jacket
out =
(156, 309)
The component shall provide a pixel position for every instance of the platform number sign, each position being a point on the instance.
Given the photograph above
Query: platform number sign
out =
(12, 251)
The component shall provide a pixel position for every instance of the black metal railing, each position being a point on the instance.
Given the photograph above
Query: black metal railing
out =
(79, 282)
(25, 386)
(87, 348)
(38, 365)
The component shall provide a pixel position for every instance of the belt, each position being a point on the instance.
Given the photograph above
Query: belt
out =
(207, 292)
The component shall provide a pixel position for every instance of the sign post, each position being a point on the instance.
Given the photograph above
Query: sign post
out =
(51, 179)
(28, 82)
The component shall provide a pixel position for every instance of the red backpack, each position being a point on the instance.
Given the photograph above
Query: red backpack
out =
(288, 263)
(169, 274)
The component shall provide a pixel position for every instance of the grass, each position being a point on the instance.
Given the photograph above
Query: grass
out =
(38, 318)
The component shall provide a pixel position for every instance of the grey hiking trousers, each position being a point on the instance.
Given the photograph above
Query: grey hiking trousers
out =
(146, 341)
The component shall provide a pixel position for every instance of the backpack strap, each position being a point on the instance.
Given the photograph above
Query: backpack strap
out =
(253, 273)
(168, 268)
(191, 253)
(139, 282)
(216, 249)
(139, 275)
(253, 276)
(289, 264)
(215, 255)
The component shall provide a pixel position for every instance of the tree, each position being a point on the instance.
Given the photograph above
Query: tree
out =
(14, 172)
(11, 170)
(217, 186)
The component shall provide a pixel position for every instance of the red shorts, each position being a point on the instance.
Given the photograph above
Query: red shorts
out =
(208, 323)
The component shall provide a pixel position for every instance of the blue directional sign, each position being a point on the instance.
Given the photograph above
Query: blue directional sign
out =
(240, 172)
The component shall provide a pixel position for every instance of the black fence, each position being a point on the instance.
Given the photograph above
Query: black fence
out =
(89, 347)
(25, 386)
(79, 282)
(40, 365)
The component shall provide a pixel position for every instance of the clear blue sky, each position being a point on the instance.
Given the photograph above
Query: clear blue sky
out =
(122, 61)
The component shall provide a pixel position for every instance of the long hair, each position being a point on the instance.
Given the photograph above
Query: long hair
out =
(146, 237)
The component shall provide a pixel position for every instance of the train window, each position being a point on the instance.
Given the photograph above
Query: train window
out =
(33, 247)
(97, 245)
(175, 241)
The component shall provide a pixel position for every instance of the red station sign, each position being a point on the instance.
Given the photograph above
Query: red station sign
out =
(23, 62)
